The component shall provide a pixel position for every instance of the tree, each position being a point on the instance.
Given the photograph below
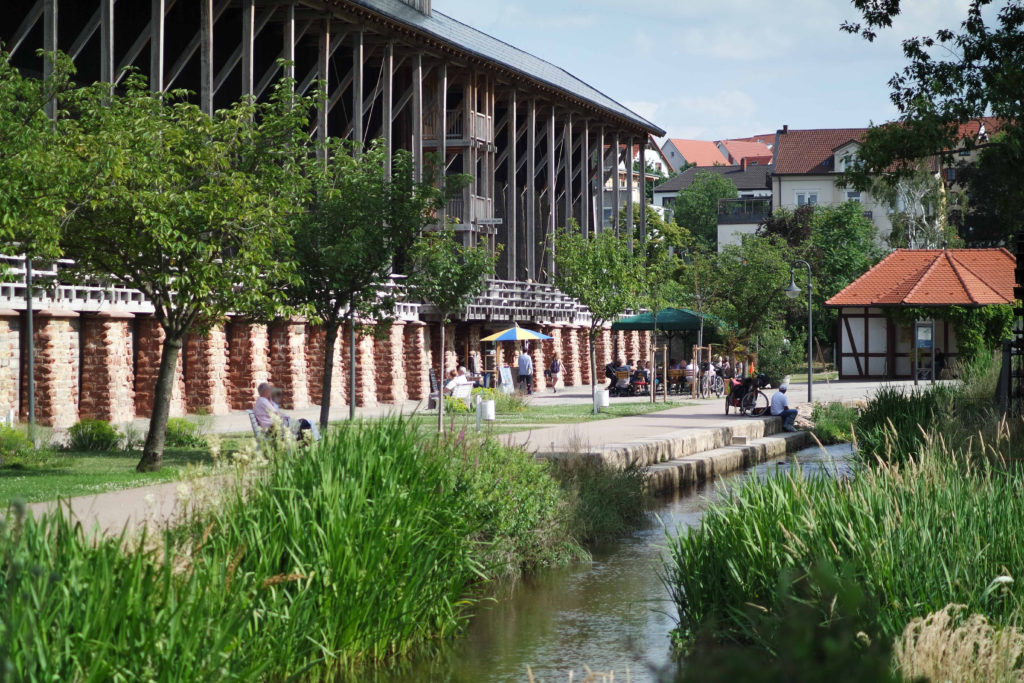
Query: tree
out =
(659, 231)
(792, 225)
(357, 221)
(41, 175)
(747, 281)
(993, 186)
(696, 206)
(954, 77)
(448, 276)
(843, 245)
(917, 210)
(601, 274)
(191, 210)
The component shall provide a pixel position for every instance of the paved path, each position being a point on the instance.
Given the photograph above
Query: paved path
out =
(160, 503)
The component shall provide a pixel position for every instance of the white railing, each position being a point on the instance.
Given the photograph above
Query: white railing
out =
(49, 292)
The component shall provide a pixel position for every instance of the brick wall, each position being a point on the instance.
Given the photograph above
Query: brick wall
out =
(206, 373)
(56, 375)
(583, 344)
(366, 374)
(150, 341)
(248, 362)
(389, 365)
(108, 380)
(315, 342)
(416, 348)
(288, 362)
(10, 355)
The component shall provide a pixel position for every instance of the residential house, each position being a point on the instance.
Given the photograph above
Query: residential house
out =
(739, 152)
(681, 152)
(735, 216)
(806, 165)
(870, 345)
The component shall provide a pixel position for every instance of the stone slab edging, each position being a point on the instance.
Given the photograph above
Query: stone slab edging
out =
(688, 456)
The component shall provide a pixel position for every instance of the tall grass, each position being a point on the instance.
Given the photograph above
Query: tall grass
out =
(834, 422)
(367, 547)
(915, 537)
(607, 502)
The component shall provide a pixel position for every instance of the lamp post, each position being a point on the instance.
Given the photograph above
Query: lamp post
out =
(792, 291)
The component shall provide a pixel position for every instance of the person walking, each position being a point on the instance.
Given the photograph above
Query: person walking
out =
(526, 371)
(780, 407)
(555, 371)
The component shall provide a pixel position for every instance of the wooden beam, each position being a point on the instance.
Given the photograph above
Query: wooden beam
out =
(84, 35)
(207, 19)
(292, 35)
(107, 42)
(629, 190)
(157, 25)
(388, 67)
(248, 45)
(417, 117)
(194, 44)
(531, 190)
(585, 181)
(357, 89)
(26, 25)
(50, 45)
(323, 74)
(567, 163)
(512, 194)
(552, 201)
(261, 21)
(616, 199)
(599, 218)
(643, 191)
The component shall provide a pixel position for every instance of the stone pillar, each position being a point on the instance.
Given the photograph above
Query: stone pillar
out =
(206, 372)
(56, 338)
(416, 348)
(571, 372)
(366, 375)
(476, 358)
(553, 347)
(583, 354)
(389, 359)
(108, 380)
(149, 338)
(248, 362)
(315, 342)
(10, 368)
(604, 348)
(288, 362)
(539, 365)
(450, 357)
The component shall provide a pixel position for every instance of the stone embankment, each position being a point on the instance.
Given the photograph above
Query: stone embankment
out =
(689, 456)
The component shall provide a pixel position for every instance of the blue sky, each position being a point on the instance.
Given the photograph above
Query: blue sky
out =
(715, 69)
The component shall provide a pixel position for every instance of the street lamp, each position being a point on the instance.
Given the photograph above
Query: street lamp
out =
(792, 291)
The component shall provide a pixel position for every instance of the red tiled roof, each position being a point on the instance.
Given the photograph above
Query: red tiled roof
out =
(740, 149)
(700, 152)
(934, 277)
(766, 139)
(810, 151)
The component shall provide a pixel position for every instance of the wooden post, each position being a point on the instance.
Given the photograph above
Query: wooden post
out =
(388, 66)
(206, 56)
(513, 187)
(357, 91)
(417, 117)
(601, 156)
(629, 190)
(157, 20)
(552, 200)
(585, 181)
(531, 190)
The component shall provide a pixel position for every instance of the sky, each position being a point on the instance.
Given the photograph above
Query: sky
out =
(715, 69)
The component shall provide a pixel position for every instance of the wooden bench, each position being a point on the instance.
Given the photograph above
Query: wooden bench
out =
(463, 392)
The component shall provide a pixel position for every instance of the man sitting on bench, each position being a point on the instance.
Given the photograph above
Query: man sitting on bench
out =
(265, 410)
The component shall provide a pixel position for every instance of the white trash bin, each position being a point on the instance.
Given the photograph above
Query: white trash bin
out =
(487, 411)
(602, 398)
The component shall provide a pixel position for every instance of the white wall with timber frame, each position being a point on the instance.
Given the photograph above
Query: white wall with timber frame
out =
(871, 346)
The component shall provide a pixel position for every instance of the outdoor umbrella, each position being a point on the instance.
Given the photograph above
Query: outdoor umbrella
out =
(515, 333)
(669, 320)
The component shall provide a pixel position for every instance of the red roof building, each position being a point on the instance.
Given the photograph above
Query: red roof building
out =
(811, 152)
(741, 152)
(680, 152)
(872, 346)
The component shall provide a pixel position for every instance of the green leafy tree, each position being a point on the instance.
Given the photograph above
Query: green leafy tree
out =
(843, 245)
(696, 206)
(191, 210)
(745, 282)
(792, 225)
(956, 76)
(601, 274)
(993, 185)
(447, 275)
(659, 231)
(42, 177)
(357, 222)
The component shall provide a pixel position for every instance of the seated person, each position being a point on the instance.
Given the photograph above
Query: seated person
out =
(453, 381)
(609, 373)
(673, 364)
(266, 410)
(780, 407)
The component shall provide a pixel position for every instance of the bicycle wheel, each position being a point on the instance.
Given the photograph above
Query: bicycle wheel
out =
(702, 388)
(719, 386)
(754, 404)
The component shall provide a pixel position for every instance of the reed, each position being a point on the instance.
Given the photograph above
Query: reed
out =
(914, 537)
(370, 546)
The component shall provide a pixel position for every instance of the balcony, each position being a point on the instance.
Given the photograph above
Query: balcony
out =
(746, 210)
(456, 133)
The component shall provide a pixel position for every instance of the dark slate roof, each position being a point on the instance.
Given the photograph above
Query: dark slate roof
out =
(469, 39)
(753, 178)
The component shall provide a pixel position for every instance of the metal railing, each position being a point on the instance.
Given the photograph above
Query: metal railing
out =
(746, 210)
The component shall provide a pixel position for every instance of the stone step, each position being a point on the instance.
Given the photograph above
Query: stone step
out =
(693, 469)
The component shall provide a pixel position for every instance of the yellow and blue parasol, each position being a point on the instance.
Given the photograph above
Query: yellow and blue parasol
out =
(515, 333)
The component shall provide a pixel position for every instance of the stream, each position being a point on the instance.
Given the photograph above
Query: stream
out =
(612, 614)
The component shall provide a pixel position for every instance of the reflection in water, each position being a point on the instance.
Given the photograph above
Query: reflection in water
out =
(613, 614)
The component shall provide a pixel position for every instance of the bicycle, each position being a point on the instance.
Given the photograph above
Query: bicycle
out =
(754, 403)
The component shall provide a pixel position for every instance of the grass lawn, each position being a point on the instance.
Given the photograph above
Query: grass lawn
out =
(818, 376)
(541, 415)
(49, 475)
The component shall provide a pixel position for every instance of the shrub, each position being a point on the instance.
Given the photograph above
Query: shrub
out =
(773, 357)
(834, 422)
(184, 434)
(510, 404)
(87, 436)
(15, 446)
(456, 405)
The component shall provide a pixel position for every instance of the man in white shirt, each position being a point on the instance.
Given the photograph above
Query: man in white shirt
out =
(526, 371)
(265, 410)
(780, 407)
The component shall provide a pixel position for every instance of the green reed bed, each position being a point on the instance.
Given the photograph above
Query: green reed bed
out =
(913, 538)
(369, 546)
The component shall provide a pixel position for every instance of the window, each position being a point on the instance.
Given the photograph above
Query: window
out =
(806, 197)
(853, 196)
(951, 175)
